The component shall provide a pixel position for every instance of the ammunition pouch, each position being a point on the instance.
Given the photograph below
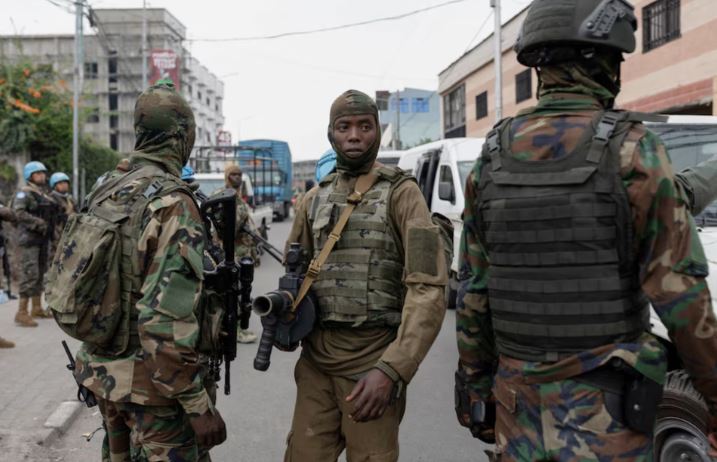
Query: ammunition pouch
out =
(630, 398)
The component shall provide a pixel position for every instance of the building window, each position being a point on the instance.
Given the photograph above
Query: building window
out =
(93, 115)
(91, 70)
(523, 86)
(482, 105)
(114, 141)
(112, 66)
(208, 103)
(113, 100)
(199, 96)
(404, 104)
(114, 121)
(189, 91)
(420, 105)
(660, 23)
(454, 113)
(382, 98)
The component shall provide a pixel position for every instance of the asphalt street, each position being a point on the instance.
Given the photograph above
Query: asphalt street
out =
(258, 412)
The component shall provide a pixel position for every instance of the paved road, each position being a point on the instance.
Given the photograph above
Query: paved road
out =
(258, 412)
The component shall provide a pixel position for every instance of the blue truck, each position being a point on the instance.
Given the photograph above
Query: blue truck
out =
(268, 163)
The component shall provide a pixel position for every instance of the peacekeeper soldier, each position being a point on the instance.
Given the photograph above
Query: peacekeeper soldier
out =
(380, 298)
(244, 245)
(6, 215)
(60, 193)
(152, 396)
(573, 224)
(35, 212)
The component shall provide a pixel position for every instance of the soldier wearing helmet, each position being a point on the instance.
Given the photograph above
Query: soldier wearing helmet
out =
(573, 227)
(35, 212)
(60, 193)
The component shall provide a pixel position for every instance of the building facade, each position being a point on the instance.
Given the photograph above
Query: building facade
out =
(672, 71)
(415, 111)
(112, 77)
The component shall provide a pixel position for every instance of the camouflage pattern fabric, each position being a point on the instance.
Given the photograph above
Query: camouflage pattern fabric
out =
(564, 421)
(32, 271)
(67, 207)
(137, 433)
(165, 370)
(670, 256)
(26, 203)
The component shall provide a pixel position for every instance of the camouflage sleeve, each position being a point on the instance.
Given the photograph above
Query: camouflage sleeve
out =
(22, 204)
(171, 245)
(476, 345)
(426, 276)
(699, 185)
(672, 262)
(7, 214)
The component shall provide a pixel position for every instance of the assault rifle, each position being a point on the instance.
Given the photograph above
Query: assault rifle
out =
(229, 279)
(6, 264)
(49, 212)
(275, 253)
(84, 394)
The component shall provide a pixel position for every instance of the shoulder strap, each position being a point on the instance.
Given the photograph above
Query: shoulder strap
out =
(363, 184)
(492, 146)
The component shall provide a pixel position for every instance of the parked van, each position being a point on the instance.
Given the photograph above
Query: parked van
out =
(441, 169)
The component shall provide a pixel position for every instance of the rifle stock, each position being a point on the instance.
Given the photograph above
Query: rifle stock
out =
(275, 253)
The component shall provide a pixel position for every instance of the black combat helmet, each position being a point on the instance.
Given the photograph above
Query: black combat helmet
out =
(563, 30)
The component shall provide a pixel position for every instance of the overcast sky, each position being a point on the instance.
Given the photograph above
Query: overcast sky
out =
(282, 88)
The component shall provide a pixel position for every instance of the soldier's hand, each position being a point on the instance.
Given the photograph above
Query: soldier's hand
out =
(209, 429)
(371, 396)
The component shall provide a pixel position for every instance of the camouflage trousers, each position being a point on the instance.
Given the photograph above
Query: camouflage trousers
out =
(136, 433)
(564, 421)
(321, 428)
(32, 271)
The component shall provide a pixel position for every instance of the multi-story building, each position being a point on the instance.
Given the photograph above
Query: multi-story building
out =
(416, 112)
(673, 69)
(113, 71)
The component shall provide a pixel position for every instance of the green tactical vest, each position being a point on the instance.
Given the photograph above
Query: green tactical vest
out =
(559, 236)
(361, 281)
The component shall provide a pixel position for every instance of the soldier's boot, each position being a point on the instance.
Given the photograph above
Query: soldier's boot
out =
(37, 311)
(246, 336)
(22, 318)
(6, 343)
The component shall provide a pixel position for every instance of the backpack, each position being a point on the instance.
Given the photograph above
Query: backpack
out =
(91, 282)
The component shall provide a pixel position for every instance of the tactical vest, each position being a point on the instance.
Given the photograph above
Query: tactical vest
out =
(43, 208)
(559, 237)
(124, 200)
(361, 281)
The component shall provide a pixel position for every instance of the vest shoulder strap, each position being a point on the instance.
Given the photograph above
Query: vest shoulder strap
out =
(492, 147)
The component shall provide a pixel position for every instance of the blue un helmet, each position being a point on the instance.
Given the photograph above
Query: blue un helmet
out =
(325, 165)
(32, 167)
(58, 177)
(187, 173)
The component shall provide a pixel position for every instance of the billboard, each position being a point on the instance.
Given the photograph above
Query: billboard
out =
(164, 64)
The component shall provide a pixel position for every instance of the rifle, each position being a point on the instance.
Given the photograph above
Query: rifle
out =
(49, 212)
(275, 253)
(6, 264)
(220, 210)
(84, 394)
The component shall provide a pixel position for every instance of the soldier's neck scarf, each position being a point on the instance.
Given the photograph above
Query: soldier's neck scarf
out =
(353, 102)
(164, 128)
(598, 79)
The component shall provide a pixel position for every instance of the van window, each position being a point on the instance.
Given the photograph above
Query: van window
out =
(464, 169)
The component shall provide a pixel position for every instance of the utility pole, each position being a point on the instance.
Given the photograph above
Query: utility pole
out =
(77, 88)
(498, 60)
(144, 44)
(397, 132)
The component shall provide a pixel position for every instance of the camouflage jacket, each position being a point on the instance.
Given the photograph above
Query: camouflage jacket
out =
(27, 205)
(166, 369)
(671, 260)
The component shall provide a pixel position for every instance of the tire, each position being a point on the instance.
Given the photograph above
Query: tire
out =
(682, 422)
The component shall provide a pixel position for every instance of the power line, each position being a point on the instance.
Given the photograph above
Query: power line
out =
(65, 7)
(328, 29)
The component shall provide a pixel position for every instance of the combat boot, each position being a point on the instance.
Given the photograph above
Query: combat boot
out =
(22, 318)
(37, 311)
(246, 336)
(6, 343)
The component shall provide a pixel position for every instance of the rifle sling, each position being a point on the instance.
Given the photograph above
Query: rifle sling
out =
(363, 184)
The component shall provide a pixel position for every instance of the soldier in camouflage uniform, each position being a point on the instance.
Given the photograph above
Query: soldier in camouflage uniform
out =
(34, 210)
(6, 216)
(244, 245)
(153, 397)
(60, 193)
(560, 256)
(380, 298)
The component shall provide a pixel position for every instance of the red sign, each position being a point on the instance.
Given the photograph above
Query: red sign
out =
(164, 64)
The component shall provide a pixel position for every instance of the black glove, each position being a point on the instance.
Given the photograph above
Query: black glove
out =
(473, 413)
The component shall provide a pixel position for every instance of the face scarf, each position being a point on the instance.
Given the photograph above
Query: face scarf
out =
(164, 128)
(353, 102)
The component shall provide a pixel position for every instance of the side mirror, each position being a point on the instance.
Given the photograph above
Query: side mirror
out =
(446, 192)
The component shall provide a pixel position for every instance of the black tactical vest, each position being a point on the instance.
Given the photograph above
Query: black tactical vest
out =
(559, 236)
